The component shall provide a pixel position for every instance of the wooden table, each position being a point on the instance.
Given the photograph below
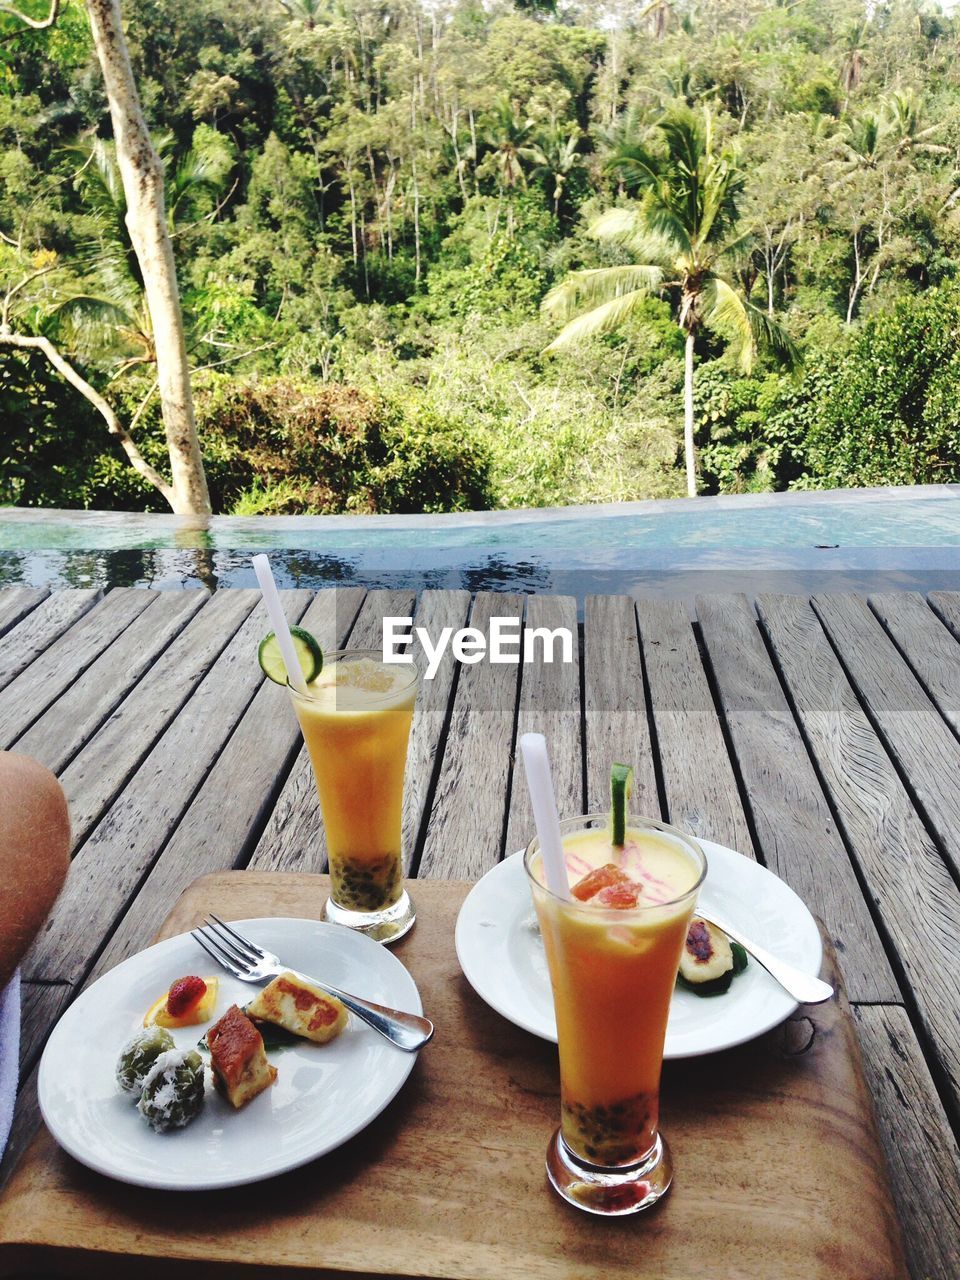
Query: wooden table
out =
(820, 736)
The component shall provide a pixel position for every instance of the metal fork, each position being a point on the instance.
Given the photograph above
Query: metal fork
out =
(251, 963)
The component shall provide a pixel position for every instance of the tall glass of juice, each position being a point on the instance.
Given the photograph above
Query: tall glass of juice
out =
(356, 724)
(613, 952)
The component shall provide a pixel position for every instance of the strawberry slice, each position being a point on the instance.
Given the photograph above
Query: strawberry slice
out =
(184, 994)
(601, 878)
(619, 895)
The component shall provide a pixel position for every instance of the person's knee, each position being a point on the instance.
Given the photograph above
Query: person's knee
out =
(34, 853)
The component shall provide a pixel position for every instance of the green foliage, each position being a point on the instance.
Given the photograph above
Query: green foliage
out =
(285, 446)
(54, 449)
(369, 202)
(887, 411)
(499, 271)
(880, 407)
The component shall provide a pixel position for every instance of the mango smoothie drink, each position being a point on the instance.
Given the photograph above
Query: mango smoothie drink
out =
(356, 724)
(613, 952)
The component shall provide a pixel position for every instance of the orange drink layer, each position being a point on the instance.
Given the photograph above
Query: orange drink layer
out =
(356, 724)
(613, 961)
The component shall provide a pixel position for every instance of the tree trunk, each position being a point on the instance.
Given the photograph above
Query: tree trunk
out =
(416, 218)
(854, 291)
(142, 177)
(688, 418)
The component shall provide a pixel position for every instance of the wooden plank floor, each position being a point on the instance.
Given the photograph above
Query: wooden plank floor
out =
(821, 737)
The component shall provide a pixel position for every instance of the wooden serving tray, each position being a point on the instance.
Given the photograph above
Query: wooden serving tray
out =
(778, 1168)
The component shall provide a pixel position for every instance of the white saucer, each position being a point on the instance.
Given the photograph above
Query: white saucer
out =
(323, 1095)
(500, 951)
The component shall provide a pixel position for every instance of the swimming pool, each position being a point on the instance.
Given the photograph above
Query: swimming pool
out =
(866, 538)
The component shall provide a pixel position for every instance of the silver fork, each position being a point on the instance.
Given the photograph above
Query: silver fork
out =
(251, 963)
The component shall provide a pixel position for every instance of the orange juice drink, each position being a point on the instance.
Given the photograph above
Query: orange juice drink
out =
(613, 952)
(356, 724)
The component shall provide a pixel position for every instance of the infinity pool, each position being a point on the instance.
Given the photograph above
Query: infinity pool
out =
(911, 536)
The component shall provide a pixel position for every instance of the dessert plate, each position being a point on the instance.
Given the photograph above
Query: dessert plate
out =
(323, 1095)
(502, 956)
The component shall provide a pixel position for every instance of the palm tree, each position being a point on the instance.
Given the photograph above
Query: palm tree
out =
(111, 315)
(555, 156)
(508, 135)
(657, 14)
(676, 238)
(902, 115)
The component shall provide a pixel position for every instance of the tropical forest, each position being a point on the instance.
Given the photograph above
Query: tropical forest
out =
(442, 255)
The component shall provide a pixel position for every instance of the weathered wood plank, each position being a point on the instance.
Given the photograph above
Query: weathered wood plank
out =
(946, 605)
(293, 839)
(698, 778)
(795, 831)
(61, 731)
(110, 866)
(17, 602)
(904, 871)
(235, 797)
(915, 734)
(465, 833)
(615, 710)
(920, 1147)
(94, 777)
(436, 610)
(549, 704)
(60, 665)
(925, 643)
(40, 628)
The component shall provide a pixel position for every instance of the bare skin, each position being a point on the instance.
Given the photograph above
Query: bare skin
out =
(34, 853)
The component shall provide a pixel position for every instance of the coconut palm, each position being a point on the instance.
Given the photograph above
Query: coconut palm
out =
(555, 155)
(508, 135)
(676, 238)
(904, 124)
(111, 313)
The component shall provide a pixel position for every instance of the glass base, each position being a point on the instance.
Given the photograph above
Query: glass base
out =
(382, 926)
(609, 1192)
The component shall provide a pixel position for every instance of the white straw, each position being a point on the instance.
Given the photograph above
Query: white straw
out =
(271, 598)
(536, 763)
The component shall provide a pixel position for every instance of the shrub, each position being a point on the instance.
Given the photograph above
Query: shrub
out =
(879, 408)
(55, 450)
(283, 446)
(886, 411)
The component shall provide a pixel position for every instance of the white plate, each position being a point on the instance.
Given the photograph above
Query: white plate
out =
(501, 953)
(323, 1095)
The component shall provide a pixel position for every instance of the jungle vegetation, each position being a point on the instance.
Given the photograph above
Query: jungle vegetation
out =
(452, 255)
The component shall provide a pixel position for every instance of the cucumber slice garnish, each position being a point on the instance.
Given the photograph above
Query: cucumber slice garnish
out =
(621, 789)
(307, 650)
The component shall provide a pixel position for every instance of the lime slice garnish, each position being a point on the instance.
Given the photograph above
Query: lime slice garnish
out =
(621, 789)
(307, 650)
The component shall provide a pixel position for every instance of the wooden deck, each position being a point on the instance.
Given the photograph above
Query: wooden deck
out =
(821, 736)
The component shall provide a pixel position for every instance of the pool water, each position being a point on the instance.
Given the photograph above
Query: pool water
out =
(884, 532)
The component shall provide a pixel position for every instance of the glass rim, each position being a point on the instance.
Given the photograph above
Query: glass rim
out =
(632, 820)
(335, 655)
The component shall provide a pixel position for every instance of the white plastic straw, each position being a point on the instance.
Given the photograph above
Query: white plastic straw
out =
(536, 763)
(271, 598)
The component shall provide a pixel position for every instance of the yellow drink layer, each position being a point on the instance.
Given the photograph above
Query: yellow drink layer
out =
(613, 971)
(662, 869)
(356, 724)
